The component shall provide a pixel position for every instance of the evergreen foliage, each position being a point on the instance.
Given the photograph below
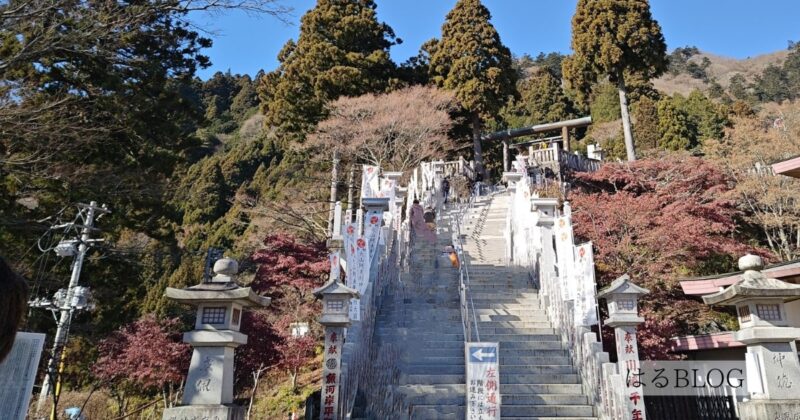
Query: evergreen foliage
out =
(541, 100)
(470, 60)
(772, 85)
(342, 50)
(605, 103)
(673, 127)
(646, 124)
(611, 38)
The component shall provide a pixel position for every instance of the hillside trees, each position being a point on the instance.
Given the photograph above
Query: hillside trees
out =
(768, 201)
(610, 38)
(395, 130)
(342, 50)
(659, 221)
(645, 124)
(541, 100)
(470, 60)
(144, 357)
(673, 127)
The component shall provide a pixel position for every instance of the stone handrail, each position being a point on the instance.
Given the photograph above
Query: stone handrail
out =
(571, 161)
(530, 239)
(358, 351)
(360, 381)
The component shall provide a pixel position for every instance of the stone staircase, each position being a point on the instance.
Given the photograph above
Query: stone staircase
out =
(420, 321)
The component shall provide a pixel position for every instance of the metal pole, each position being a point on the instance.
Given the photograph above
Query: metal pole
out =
(334, 184)
(66, 309)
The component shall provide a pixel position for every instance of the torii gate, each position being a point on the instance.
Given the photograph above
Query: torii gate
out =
(564, 126)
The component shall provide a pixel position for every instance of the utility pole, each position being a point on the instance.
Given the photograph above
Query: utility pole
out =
(72, 297)
(334, 184)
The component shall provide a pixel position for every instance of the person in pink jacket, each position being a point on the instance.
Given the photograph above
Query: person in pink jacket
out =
(419, 228)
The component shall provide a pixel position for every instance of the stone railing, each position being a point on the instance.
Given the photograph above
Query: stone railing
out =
(556, 159)
(530, 235)
(358, 379)
(364, 384)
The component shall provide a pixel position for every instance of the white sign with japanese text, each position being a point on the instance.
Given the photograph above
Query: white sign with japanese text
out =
(585, 302)
(483, 381)
(565, 254)
(370, 184)
(331, 372)
(17, 374)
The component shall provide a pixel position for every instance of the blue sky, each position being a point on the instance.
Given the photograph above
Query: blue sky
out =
(734, 28)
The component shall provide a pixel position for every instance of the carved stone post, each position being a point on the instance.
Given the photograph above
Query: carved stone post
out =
(773, 368)
(209, 385)
(622, 297)
(334, 185)
(511, 179)
(546, 209)
(335, 318)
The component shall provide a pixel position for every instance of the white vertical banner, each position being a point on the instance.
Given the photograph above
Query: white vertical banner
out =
(370, 185)
(565, 255)
(483, 381)
(358, 274)
(349, 233)
(333, 257)
(585, 302)
(17, 374)
(372, 230)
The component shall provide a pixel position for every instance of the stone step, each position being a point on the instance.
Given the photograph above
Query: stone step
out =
(506, 294)
(412, 368)
(430, 395)
(558, 411)
(425, 352)
(514, 411)
(553, 344)
(505, 378)
(437, 412)
(546, 418)
(544, 399)
(538, 317)
(543, 330)
(512, 324)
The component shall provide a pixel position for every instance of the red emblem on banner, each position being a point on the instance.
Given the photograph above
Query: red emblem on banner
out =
(361, 243)
(350, 230)
(582, 252)
(373, 220)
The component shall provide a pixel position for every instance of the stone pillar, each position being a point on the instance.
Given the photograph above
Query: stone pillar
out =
(773, 368)
(506, 156)
(209, 385)
(565, 138)
(335, 318)
(546, 209)
(622, 297)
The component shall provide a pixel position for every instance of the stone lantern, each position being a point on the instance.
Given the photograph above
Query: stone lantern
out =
(335, 304)
(335, 318)
(209, 385)
(622, 298)
(546, 208)
(773, 369)
(511, 179)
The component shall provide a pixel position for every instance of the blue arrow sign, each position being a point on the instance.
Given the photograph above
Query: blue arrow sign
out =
(482, 354)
